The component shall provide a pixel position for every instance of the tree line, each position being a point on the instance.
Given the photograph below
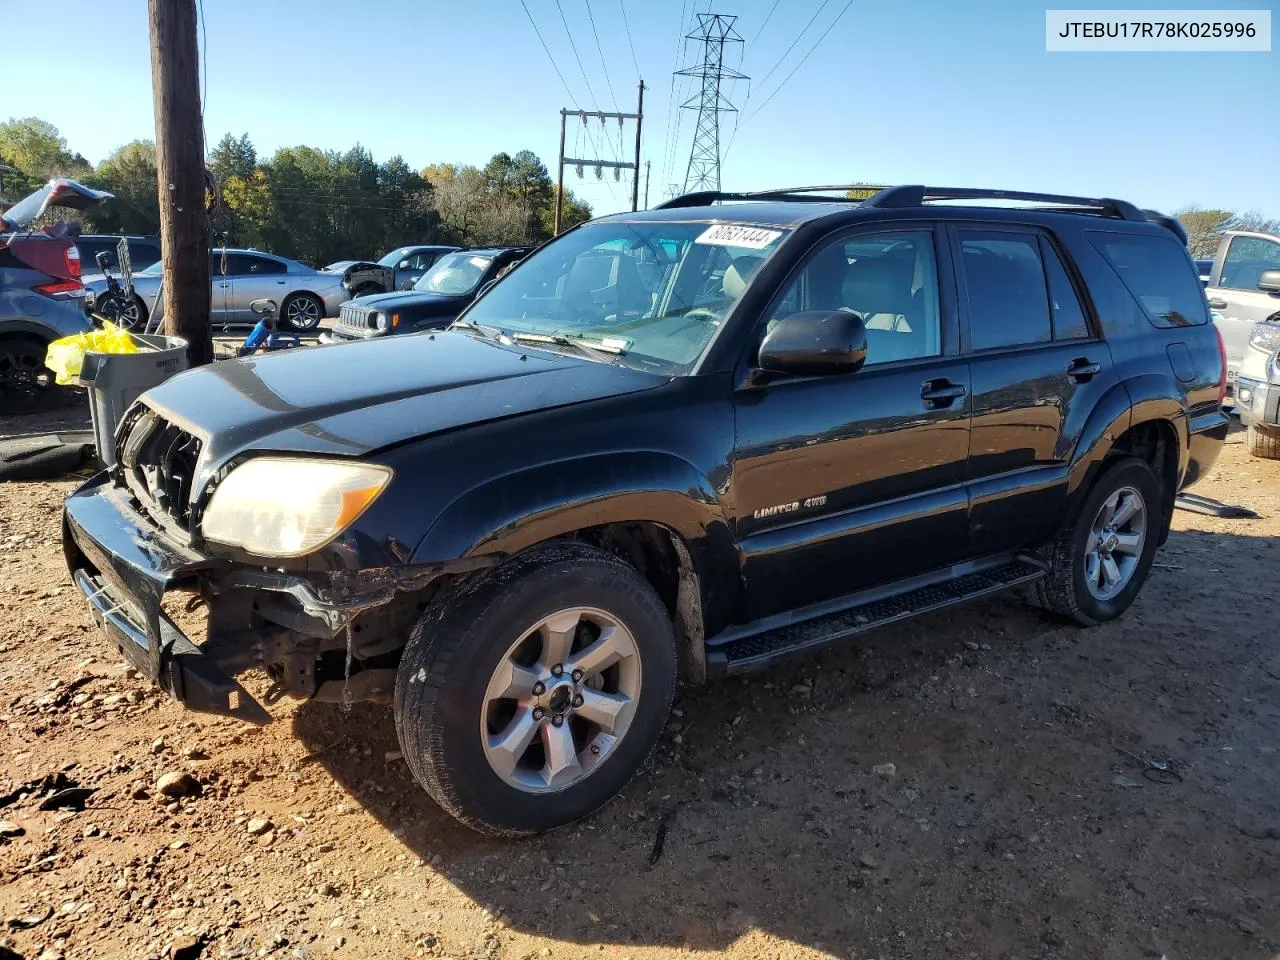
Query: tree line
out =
(314, 205)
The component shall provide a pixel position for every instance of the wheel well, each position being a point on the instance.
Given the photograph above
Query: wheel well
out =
(662, 558)
(1156, 443)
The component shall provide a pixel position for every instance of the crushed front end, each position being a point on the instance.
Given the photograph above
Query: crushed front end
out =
(326, 631)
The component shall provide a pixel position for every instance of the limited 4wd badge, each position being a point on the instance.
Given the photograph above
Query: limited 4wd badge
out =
(791, 507)
(735, 235)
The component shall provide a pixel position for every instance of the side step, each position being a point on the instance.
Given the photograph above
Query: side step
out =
(759, 649)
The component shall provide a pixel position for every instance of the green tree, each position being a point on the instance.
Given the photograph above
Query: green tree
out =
(232, 158)
(129, 173)
(1204, 229)
(35, 147)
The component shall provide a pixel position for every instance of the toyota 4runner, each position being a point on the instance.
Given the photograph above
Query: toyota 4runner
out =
(680, 442)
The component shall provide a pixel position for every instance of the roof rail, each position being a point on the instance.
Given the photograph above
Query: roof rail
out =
(916, 195)
(1169, 223)
(702, 198)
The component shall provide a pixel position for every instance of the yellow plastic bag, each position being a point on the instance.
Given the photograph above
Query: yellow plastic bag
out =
(66, 356)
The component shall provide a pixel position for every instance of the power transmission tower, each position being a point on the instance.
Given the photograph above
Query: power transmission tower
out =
(713, 32)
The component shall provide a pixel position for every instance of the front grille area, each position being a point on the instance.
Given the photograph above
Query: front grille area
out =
(358, 318)
(158, 463)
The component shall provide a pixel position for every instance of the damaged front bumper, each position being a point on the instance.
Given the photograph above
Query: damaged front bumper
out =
(297, 627)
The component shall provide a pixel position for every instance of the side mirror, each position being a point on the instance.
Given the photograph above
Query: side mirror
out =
(815, 343)
(102, 260)
(1269, 281)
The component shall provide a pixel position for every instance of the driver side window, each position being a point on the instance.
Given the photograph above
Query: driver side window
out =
(889, 279)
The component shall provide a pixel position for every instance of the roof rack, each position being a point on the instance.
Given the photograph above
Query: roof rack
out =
(913, 196)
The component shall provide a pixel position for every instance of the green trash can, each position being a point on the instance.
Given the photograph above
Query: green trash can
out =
(115, 380)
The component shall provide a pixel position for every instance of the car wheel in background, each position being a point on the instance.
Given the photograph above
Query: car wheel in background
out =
(302, 311)
(25, 382)
(1264, 442)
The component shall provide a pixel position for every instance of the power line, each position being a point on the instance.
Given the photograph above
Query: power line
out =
(574, 47)
(634, 62)
(547, 51)
(777, 63)
(600, 50)
(838, 18)
(767, 16)
(668, 150)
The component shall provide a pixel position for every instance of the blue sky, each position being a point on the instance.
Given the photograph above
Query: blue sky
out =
(934, 91)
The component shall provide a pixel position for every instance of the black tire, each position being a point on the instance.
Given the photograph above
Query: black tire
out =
(26, 384)
(1064, 591)
(458, 643)
(1264, 442)
(294, 307)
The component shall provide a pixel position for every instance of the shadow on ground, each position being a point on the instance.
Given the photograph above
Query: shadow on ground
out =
(1027, 813)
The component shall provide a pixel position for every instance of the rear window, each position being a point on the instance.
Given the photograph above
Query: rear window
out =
(1155, 270)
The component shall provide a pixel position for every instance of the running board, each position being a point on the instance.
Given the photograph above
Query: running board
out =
(760, 649)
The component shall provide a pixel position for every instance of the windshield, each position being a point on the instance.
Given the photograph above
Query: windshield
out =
(394, 257)
(151, 269)
(656, 292)
(454, 275)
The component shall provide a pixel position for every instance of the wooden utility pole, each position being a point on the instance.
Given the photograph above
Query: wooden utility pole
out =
(635, 180)
(599, 164)
(560, 179)
(184, 225)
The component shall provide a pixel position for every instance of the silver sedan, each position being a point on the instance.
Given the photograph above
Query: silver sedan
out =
(239, 277)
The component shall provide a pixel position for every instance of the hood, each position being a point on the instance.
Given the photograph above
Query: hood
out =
(56, 193)
(344, 266)
(357, 398)
(408, 300)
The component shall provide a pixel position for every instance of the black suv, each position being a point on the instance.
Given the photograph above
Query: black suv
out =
(680, 442)
(433, 302)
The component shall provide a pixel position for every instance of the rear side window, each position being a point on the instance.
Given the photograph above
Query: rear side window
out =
(1156, 271)
(1068, 316)
(1008, 303)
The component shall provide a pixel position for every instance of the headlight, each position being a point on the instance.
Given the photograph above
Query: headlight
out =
(288, 507)
(380, 319)
(1265, 336)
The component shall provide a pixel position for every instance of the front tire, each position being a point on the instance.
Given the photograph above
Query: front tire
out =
(528, 701)
(302, 312)
(1097, 567)
(1264, 442)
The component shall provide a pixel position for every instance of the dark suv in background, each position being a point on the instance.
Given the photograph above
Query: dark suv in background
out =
(684, 441)
(143, 251)
(41, 291)
(432, 303)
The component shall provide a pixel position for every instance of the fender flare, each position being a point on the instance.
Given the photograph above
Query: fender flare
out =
(1130, 403)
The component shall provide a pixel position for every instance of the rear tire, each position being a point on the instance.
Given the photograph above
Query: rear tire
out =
(26, 384)
(1096, 569)
(475, 702)
(1264, 442)
(302, 311)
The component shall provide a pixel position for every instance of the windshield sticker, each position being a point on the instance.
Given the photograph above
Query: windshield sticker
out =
(734, 235)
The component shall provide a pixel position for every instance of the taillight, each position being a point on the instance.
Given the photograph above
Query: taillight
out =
(73, 260)
(1222, 371)
(61, 289)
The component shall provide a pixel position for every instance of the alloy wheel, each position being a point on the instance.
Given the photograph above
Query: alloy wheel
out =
(560, 700)
(302, 313)
(1114, 548)
(23, 377)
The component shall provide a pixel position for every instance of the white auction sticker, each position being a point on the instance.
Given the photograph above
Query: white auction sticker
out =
(735, 235)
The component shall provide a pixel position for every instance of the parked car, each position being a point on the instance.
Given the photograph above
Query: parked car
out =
(142, 251)
(397, 270)
(689, 440)
(433, 303)
(239, 277)
(1257, 385)
(1234, 292)
(41, 292)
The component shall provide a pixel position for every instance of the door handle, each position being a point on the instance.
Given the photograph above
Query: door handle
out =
(1083, 370)
(1217, 303)
(281, 282)
(940, 393)
(224, 285)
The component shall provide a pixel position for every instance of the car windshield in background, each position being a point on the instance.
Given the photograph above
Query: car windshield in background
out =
(394, 257)
(454, 275)
(651, 293)
(150, 269)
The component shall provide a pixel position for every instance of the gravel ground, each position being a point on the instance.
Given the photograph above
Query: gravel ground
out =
(982, 783)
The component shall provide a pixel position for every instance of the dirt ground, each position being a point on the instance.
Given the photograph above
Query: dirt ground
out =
(1054, 792)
